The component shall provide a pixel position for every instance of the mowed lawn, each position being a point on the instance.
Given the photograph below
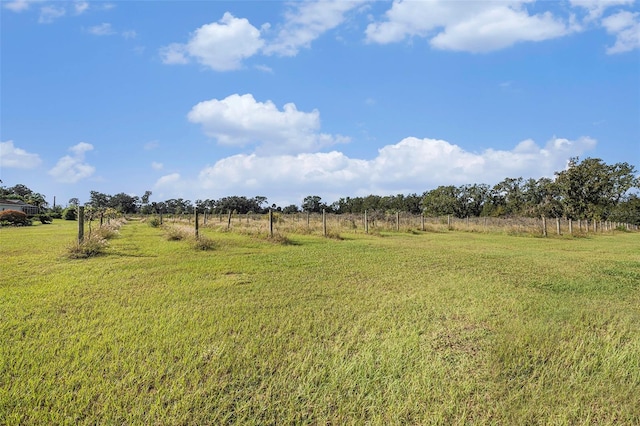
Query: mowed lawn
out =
(398, 328)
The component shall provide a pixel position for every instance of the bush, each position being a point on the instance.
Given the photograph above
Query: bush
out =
(14, 218)
(90, 246)
(178, 233)
(203, 243)
(45, 218)
(154, 222)
(70, 213)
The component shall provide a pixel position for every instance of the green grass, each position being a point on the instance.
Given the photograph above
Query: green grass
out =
(411, 328)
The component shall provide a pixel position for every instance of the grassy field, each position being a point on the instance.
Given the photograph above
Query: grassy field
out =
(394, 328)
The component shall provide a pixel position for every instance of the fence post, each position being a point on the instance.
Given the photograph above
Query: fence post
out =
(449, 222)
(270, 223)
(558, 226)
(308, 220)
(229, 220)
(397, 221)
(366, 223)
(422, 218)
(544, 226)
(324, 223)
(80, 224)
(195, 215)
(570, 227)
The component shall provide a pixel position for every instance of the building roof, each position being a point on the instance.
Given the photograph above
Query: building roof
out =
(14, 202)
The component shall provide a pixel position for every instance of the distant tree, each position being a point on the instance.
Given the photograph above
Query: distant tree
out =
(441, 201)
(313, 204)
(73, 202)
(124, 203)
(590, 189)
(291, 208)
(98, 200)
(627, 211)
(145, 198)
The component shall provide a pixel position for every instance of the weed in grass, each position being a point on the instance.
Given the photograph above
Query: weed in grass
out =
(178, 232)
(90, 246)
(203, 243)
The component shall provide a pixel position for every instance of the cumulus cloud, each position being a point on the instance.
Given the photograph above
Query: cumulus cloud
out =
(411, 165)
(102, 30)
(626, 27)
(72, 168)
(16, 5)
(48, 14)
(80, 7)
(465, 26)
(240, 120)
(305, 22)
(596, 8)
(14, 157)
(221, 45)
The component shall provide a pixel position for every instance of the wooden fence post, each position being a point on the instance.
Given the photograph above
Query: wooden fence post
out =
(366, 223)
(80, 224)
(422, 219)
(558, 226)
(570, 227)
(324, 223)
(229, 220)
(544, 226)
(449, 222)
(270, 223)
(397, 221)
(195, 216)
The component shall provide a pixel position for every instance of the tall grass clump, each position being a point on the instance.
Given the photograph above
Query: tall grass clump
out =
(90, 246)
(178, 232)
(202, 243)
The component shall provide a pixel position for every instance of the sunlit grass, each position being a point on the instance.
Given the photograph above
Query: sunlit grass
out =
(413, 328)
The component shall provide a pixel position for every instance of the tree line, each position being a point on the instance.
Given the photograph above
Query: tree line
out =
(588, 189)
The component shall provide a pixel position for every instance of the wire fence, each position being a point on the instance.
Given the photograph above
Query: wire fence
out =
(328, 224)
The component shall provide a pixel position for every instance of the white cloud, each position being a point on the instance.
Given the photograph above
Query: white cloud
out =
(240, 120)
(305, 22)
(221, 46)
(48, 14)
(411, 165)
(14, 157)
(17, 5)
(595, 8)
(72, 168)
(626, 27)
(80, 7)
(465, 26)
(101, 30)
(264, 68)
(130, 34)
(157, 166)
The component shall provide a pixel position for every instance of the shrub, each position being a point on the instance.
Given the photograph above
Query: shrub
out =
(45, 218)
(14, 217)
(177, 233)
(90, 246)
(70, 213)
(203, 243)
(154, 222)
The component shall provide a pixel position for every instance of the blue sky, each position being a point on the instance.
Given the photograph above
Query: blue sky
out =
(205, 99)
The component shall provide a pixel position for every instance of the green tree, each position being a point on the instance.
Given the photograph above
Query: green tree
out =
(441, 201)
(590, 189)
(313, 204)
